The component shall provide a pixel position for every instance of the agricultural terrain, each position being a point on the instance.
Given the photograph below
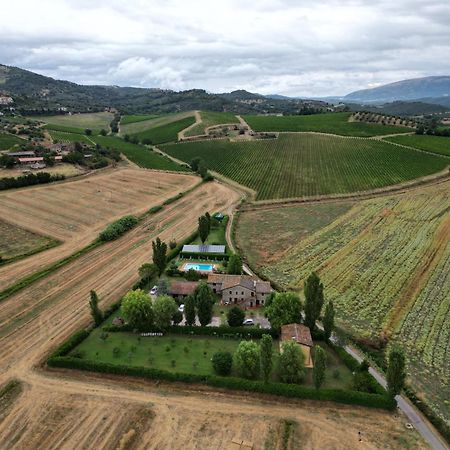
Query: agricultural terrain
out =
(64, 136)
(297, 165)
(333, 123)
(94, 201)
(8, 140)
(384, 263)
(209, 119)
(78, 122)
(133, 118)
(164, 133)
(89, 411)
(433, 144)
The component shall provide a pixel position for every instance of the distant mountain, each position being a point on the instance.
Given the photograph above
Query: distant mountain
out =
(242, 94)
(414, 89)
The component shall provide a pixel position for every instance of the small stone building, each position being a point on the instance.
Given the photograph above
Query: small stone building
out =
(181, 289)
(300, 334)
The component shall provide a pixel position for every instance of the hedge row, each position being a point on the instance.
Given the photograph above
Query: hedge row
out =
(117, 228)
(205, 256)
(173, 199)
(70, 343)
(29, 180)
(281, 389)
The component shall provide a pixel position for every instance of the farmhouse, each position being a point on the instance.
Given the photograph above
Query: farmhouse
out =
(36, 160)
(23, 154)
(241, 290)
(181, 289)
(299, 333)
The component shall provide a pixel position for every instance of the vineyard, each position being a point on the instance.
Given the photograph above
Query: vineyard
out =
(63, 136)
(433, 144)
(297, 165)
(210, 119)
(133, 118)
(164, 133)
(140, 126)
(9, 140)
(386, 265)
(334, 123)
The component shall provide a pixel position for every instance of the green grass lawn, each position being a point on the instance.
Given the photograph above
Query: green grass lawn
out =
(216, 235)
(209, 119)
(433, 144)
(133, 118)
(9, 140)
(79, 122)
(184, 354)
(297, 165)
(142, 156)
(335, 123)
(165, 133)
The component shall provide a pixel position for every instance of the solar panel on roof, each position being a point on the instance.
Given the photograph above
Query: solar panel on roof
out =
(204, 248)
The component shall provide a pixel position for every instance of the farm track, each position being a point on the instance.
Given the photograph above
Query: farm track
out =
(45, 210)
(198, 121)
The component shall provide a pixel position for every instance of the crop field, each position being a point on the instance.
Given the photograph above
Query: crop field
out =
(334, 123)
(433, 144)
(16, 242)
(385, 264)
(140, 155)
(94, 201)
(63, 136)
(94, 121)
(210, 119)
(144, 125)
(133, 118)
(296, 165)
(9, 140)
(165, 133)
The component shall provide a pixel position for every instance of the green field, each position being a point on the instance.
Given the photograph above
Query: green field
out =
(165, 133)
(139, 154)
(78, 122)
(385, 263)
(62, 136)
(334, 123)
(209, 119)
(296, 165)
(433, 144)
(17, 242)
(185, 354)
(144, 125)
(9, 140)
(133, 118)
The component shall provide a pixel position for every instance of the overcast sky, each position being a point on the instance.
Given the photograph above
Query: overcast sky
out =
(290, 47)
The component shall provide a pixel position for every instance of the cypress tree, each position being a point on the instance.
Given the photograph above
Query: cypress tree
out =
(159, 255)
(95, 310)
(313, 290)
(396, 371)
(328, 320)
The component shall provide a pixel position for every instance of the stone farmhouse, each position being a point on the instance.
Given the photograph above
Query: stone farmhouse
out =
(241, 290)
(300, 334)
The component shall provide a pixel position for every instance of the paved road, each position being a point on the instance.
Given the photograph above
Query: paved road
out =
(415, 417)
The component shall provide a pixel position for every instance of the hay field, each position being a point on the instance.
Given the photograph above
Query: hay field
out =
(94, 121)
(74, 212)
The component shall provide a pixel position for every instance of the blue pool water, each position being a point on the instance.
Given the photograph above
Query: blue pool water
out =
(200, 267)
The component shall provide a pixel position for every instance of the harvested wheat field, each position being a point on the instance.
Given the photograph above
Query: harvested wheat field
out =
(67, 409)
(74, 212)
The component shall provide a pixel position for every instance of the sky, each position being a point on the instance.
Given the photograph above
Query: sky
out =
(288, 47)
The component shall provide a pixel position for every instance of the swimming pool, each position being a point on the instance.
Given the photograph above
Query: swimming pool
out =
(199, 267)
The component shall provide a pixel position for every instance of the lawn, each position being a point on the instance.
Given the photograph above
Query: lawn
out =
(297, 165)
(185, 354)
(209, 119)
(335, 123)
(142, 156)
(216, 235)
(94, 121)
(9, 140)
(17, 242)
(133, 118)
(433, 144)
(165, 133)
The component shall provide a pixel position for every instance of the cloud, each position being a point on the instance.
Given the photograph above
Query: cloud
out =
(291, 47)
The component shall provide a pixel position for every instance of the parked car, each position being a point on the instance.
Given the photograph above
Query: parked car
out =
(181, 308)
(154, 290)
(248, 322)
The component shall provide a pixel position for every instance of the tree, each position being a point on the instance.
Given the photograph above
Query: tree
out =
(164, 307)
(49, 160)
(222, 363)
(266, 351)
(195, 163)
(177, 317)
(203, 228)
(234, 266)
(88, 131)
(137, 309)
(320, 364)
(163, 287)
(292, 363)
(396, 371)
(189, 310)
(284, 308)
(313, 300)
(328, 320)
(159, 255)
(147, 271)
(103, 132)
(247, 359)
(95, 310)
(204, 302)
(208, 217)
(235, 316)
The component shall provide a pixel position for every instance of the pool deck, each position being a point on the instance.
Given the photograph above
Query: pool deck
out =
(184, 269)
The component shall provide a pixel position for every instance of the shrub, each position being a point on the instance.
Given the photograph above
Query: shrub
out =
(292, 363)
(247, 359)
(235, 317)
(222, 363)
(118, 228)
